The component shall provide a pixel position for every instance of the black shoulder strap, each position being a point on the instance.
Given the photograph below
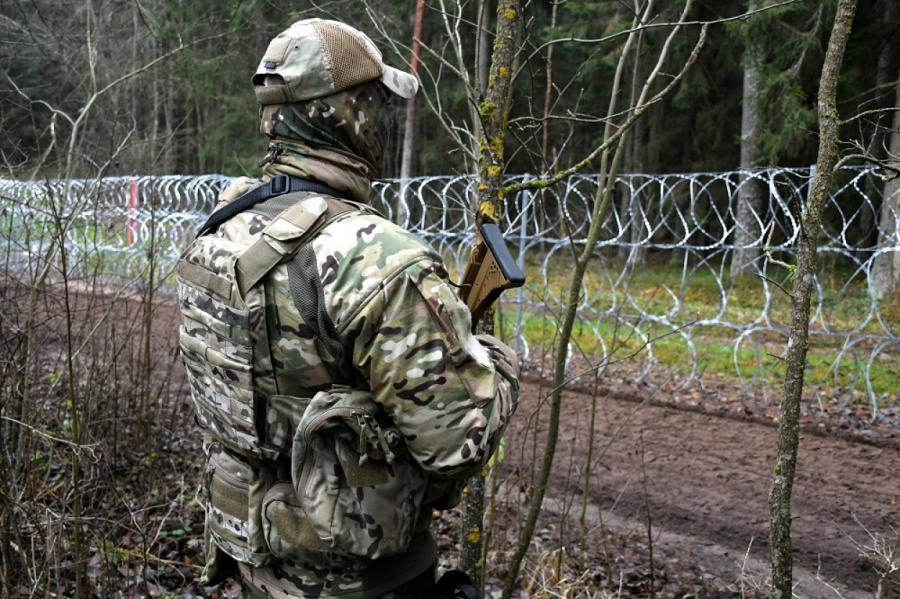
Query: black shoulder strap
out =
(276, 186)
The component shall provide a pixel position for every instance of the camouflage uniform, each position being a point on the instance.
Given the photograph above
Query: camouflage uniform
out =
(297, 515)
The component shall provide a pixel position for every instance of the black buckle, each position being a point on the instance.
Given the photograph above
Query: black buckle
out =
(279, 184)
(456, 584)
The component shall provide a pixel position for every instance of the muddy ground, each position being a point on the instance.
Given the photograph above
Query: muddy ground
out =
(704, 480)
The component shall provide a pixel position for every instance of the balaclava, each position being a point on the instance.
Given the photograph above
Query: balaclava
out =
(324, 94)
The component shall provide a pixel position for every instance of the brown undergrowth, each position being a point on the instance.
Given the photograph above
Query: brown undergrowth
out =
(131, 433)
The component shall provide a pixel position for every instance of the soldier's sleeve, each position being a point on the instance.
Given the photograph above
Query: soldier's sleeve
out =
(450, 392)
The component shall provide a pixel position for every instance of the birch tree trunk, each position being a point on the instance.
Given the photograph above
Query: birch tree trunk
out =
(750, 195)
(636, 152)
(798, 340)
(628, 203)
(651, 198)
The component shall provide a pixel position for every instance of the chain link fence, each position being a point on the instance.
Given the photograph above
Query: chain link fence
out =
(662, 289)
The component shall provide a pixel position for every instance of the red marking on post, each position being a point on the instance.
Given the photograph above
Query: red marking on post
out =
(132, 231)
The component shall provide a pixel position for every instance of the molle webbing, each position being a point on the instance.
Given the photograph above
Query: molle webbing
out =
(222, 312)
(225, 345)
(284, 234)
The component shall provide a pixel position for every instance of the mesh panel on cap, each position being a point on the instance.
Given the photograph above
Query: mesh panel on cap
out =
(350, 63)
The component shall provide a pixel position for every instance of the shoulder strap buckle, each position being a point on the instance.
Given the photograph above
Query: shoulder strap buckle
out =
(279, 185)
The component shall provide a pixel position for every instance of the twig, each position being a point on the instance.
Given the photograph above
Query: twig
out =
(776, 283)
(76, 447)
(624, 32)
(636, 112)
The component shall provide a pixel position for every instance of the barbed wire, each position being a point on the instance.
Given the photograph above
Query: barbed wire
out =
(663, 280)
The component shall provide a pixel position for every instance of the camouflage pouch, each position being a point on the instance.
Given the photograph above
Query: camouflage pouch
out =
(219, 566)
(359, 489)
(234, 491)
(288, 532)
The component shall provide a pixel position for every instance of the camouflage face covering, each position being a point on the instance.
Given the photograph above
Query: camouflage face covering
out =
(354, 121)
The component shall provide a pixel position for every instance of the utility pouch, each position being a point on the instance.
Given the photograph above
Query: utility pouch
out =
(234, 490)
(219, 566)
(288, 532)
(357, 485)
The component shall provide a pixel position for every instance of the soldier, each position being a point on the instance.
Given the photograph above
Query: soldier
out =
(332, 366)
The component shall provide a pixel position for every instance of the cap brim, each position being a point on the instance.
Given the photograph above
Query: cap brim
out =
(401, 83)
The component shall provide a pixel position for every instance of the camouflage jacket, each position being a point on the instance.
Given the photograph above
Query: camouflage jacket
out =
(448, 392)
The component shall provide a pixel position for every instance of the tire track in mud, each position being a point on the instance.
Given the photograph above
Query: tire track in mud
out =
(708, 483)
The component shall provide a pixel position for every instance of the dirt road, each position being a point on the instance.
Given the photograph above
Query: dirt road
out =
(707, 485)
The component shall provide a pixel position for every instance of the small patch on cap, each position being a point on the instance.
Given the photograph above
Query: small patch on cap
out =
(270, 64)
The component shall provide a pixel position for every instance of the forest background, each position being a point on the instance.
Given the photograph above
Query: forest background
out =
(175, 98)
(195, 111)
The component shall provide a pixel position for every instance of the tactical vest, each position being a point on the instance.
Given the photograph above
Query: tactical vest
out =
(285, 475)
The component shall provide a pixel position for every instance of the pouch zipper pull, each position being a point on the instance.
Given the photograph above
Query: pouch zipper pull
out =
(363, 438)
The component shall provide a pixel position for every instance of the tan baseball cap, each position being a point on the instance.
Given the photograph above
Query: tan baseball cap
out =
(314, 58)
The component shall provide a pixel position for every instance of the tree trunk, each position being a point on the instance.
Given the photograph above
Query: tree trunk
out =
(135, 157)
(482, 44)
(199, 135)
(409, 129)
(636, 147)
(652, 197)
(798, 341)
(493, 111)
(169, 139)
(156, 108)
(628, 203)
(750, 196)
(548, 95)
(885, 73)
(471, 528)
(886, 267)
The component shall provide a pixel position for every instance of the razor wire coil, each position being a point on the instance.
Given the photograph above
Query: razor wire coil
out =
(691, 222)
